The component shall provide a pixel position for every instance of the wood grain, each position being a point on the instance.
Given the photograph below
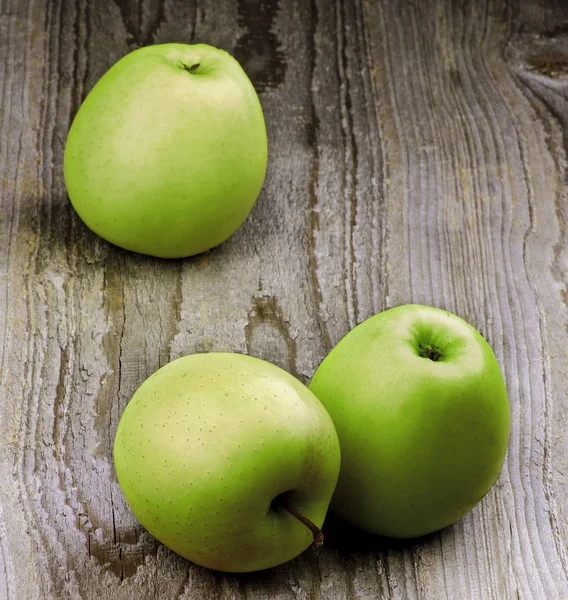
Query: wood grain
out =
(417, 154)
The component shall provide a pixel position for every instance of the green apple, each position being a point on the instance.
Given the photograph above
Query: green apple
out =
(167, 154)
(422, 416)
(228, 460)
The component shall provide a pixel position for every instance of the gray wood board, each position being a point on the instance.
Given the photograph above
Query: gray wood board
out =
(417, 154)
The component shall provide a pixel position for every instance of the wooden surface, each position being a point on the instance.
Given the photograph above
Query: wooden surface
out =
(418, 153)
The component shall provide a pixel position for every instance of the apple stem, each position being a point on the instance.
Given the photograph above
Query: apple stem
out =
(192, 68)
(316, 531)
(430, 352)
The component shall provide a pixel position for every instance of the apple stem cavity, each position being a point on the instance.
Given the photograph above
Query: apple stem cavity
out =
(284, 501)
(430, 352)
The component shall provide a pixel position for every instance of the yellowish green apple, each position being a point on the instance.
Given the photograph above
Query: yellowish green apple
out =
(228, 460)
(167, 154)
(422, 415)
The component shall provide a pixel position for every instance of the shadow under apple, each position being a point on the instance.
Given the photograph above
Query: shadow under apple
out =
(342, 539)
(345, 538)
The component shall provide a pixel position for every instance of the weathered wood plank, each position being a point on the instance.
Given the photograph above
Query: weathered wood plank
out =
(417, 153)
(473, 194)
